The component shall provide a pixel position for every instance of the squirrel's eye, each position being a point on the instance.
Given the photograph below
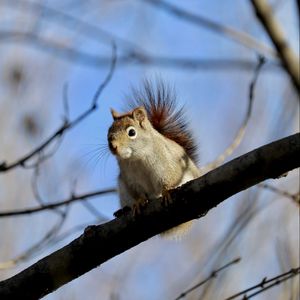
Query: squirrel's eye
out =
(131, 132)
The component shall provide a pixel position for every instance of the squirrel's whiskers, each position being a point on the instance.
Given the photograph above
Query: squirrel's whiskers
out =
(97, 153)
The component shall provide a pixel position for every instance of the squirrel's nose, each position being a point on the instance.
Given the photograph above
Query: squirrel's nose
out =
(112, 145)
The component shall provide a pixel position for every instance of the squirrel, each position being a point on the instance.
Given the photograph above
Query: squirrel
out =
(155, 149)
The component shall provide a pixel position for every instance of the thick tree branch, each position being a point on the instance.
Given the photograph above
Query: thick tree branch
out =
(193, 200)
(288, 58)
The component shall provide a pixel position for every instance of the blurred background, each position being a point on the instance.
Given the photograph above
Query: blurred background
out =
(53, 57)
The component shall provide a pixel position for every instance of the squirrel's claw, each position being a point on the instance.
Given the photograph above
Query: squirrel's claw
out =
(166, 198)
(138, 206)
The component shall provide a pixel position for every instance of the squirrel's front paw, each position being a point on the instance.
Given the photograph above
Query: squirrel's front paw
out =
(166, 198)
(138, 206)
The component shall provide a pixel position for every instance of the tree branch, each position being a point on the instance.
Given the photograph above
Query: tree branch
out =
(213, 275)
(193, 200)
(294, 197)
(238, 36)
(71, 54)
(67, 125)
(288, 58)
(72, 199)
(241, 132)
(265, 284)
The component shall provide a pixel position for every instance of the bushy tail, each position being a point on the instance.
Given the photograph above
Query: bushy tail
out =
(165, 115)
(178, 232)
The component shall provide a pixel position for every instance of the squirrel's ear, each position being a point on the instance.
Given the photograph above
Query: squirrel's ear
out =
(114, 114)
(139, 114)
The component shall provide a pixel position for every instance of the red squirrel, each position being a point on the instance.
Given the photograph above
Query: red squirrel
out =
(154, 148)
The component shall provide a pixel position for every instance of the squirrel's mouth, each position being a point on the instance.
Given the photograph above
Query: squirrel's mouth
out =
(120, 151)
(125, 153)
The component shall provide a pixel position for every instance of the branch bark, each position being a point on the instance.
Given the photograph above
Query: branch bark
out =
(193, 200)
(288, 58)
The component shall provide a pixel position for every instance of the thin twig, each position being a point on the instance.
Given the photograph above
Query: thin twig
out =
(88, 30)
(34, 185)
(35, 188)
(74, 55)
(62, 236)
(33, 249)
(266, 284)
(21, 162)
(241, 132)
(238, 36)
(294, 197)
(72, 199)
(288, 58)
(243, 217)
(66, 102)
(211, 276)
(42, 156)
(51, 238)
(92, 210)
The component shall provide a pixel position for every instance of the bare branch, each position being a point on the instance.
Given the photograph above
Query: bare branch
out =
(74, 55)
(245, 214)
(241, 132)
(238, 36)
(70, 200)
(33, 249)
(51, 238)
(92, 210)
(66, 102)
(294, 197)
(211, 276)
(266, 284)
(100, 243)
(21, 162)
(68, 21)
(288, 58)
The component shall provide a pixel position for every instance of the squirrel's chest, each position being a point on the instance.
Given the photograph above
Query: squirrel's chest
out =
(142, 180)
(165, 168)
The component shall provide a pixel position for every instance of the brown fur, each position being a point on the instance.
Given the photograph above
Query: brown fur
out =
(160, 103)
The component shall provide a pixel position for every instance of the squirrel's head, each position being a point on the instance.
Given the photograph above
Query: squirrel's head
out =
(127, 136)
